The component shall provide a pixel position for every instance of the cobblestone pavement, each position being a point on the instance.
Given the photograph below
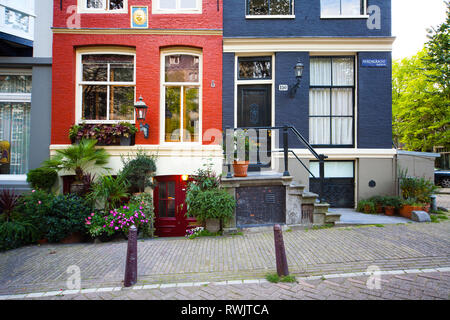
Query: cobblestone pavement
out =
(443, 200)
(425, 286)
(249, 256)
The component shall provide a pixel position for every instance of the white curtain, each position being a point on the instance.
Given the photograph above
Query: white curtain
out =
(15, 128)
(336, 74)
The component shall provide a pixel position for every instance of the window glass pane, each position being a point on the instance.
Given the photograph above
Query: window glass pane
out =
(171, 209)
(342, 102)
(121, 103)
(94, 4)
(343, 72)
(167, 4)
(188, 4)
(330, 7)
(333, 169)
(280, 7)
(14, 137)
(352, 7)
(319, 102)
(162, 190)
(258, 7)
(319, 130)
(320, 69)
(182, 68)
(15, 84)
(122, 72)
(191, 114)
(95, 72)
(255, 68)
(171, 189)
(115, 4)
(162, 208)
(342, 132)
(17, 20)
(94, 102)
(173, 113)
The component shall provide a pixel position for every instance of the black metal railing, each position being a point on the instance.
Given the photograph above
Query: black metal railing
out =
(286, 151)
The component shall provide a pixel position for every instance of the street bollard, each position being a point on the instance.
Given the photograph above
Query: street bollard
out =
(131, 263)
(280, 252)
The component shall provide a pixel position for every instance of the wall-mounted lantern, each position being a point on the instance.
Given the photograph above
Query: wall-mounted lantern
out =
(299, 67)
(141, 113)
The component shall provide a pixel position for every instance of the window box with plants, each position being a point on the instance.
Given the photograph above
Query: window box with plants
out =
(122, 133)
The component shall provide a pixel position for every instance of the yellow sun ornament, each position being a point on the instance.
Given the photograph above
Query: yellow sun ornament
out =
(139, 17)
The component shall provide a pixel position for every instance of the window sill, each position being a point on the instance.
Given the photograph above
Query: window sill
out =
(346, 17)
(270, 17)
(104, 121)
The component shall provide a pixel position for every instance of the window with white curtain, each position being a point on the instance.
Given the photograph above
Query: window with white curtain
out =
(331, 101)
(15, 108)
(343, 8)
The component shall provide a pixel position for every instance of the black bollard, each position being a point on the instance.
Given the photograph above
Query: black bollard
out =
(280, 252)
(131, 263)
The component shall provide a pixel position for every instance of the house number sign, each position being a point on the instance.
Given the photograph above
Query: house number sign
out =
(283, 87)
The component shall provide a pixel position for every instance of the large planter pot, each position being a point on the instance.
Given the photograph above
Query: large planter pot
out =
(125, 141)
(75, 237)
(42, 241)
(213, 225)
(427, 207)
(389, 211)
(379, 208)
(240, 168)
(406, 211)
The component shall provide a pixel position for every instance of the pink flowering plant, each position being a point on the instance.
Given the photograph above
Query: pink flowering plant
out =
(116, 221)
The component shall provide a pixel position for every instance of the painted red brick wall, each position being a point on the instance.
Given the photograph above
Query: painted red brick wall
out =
(210, 18)
(148, 49)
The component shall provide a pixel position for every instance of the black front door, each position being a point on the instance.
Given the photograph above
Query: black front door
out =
(255, 110)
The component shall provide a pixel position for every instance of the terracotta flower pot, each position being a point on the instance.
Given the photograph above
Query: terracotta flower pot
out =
(240, 168)
(379, 208)
(42, 241)
(389, 211)
(406, 211)
(427, 207)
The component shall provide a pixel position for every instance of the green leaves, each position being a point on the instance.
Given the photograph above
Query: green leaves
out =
(210, 204)
(79, 158)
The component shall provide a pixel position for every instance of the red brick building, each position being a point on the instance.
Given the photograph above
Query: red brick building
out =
(108, 53)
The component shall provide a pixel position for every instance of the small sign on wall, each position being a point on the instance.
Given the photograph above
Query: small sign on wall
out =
(139, 17)
(283, 87)
(374, 63)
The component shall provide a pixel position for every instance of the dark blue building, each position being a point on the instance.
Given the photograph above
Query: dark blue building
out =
(343, 105)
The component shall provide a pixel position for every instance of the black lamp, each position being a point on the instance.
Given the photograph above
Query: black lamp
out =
(141, 112)
(299, 67)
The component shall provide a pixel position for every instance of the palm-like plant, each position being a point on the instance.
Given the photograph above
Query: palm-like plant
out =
(79, 158)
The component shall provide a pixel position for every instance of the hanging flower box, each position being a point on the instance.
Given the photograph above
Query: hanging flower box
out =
(122, 133)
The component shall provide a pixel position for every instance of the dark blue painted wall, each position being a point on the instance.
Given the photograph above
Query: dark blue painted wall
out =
(375, 103)
(307, 22)
(228, 91)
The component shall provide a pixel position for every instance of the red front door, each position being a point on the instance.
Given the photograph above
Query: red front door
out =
(170, 207)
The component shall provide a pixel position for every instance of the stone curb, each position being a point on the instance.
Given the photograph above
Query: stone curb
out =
(229, 282)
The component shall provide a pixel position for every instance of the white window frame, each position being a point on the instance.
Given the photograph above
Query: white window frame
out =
(18, 33)
(163, 84)
(79, 82)
(156, 8)
(15, 98)
(268, 16)
(82, 7)
(365, 15)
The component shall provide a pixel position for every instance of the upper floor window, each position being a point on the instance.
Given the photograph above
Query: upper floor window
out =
(331, 101)
(106, 85)
(343, 8)
(104, 5)
(270, 7)
(177, 6)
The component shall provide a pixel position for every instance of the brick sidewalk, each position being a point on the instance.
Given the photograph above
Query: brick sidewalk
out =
(312, 252)
(425, 286)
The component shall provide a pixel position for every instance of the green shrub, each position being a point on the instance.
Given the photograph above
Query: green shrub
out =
(366, 206)
(42, 178)
(210, 204)
(139, 171)
(16, 233)
(67, 215)
(419, 189)
(391, 202)
(109, 192)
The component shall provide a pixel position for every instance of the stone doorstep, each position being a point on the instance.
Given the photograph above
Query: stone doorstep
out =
(332, 217)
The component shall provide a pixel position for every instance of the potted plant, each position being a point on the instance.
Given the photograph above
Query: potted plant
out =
(78, 158)
(390, 204)
(125, 131)
(241, 157)
(105, 134)
(378, 202)
(408, 206)
(366, 206)
(211, 207)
